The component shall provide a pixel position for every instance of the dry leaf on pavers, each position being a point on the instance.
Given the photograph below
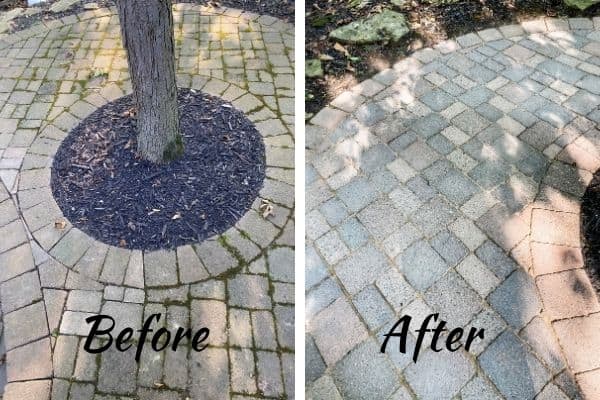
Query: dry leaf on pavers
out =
(267, 208)
(60, 224)
(341, 49)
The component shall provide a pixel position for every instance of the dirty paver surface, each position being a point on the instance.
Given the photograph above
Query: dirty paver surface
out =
(240, 284)
(451, 184)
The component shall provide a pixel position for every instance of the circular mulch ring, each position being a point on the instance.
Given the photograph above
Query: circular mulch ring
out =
(108, 192)
(590, 230)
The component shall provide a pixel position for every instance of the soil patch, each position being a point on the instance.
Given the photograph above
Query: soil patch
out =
(10, 4)
(347, 65)
(590, 230)
(107, 191)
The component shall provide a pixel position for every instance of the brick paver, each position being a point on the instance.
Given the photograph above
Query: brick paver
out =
(459, 170)
(52, 276)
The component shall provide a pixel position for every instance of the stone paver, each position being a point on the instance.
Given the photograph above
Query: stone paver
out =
(239, 284)
(464, 196)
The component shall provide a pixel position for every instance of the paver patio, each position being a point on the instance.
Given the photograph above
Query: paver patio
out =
(451, 183)
(239, 284)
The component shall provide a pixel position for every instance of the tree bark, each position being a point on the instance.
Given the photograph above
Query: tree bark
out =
(147, 31)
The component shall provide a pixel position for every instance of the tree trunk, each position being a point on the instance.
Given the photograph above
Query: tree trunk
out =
(147, 30)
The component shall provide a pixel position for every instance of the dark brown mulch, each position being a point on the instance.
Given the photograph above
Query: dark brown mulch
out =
(105, 190)
(10, 4)
(590, 230)
(283, 9)
(434, 23)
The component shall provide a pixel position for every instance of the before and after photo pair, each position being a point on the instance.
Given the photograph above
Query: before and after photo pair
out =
(310, 199)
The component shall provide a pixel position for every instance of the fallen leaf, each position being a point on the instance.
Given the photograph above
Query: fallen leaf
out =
(267, 211)
(267, 208)
(122, 243)
(341, 49)
(60, 224)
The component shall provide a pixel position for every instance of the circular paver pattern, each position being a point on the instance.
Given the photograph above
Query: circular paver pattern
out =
(239, 283)
(450, 184)
(107, 191)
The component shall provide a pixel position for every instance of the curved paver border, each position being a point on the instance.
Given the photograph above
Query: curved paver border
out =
(542, 236)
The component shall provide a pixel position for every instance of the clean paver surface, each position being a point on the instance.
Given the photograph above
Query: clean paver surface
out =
(239, 284)
(450, 183)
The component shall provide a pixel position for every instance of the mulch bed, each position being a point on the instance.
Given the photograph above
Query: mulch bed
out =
(432, 24)
(590, 230)
(283, 9)
(107, 191)
(10, 4)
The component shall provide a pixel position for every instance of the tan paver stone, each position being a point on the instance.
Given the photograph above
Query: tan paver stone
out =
(555, 227)
(567, 294)
(589, 383)
(550, 258)
(580, 341)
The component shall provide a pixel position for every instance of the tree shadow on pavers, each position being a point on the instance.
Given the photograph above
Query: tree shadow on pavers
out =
(431, 23)
(590, 226)
(511, 179)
